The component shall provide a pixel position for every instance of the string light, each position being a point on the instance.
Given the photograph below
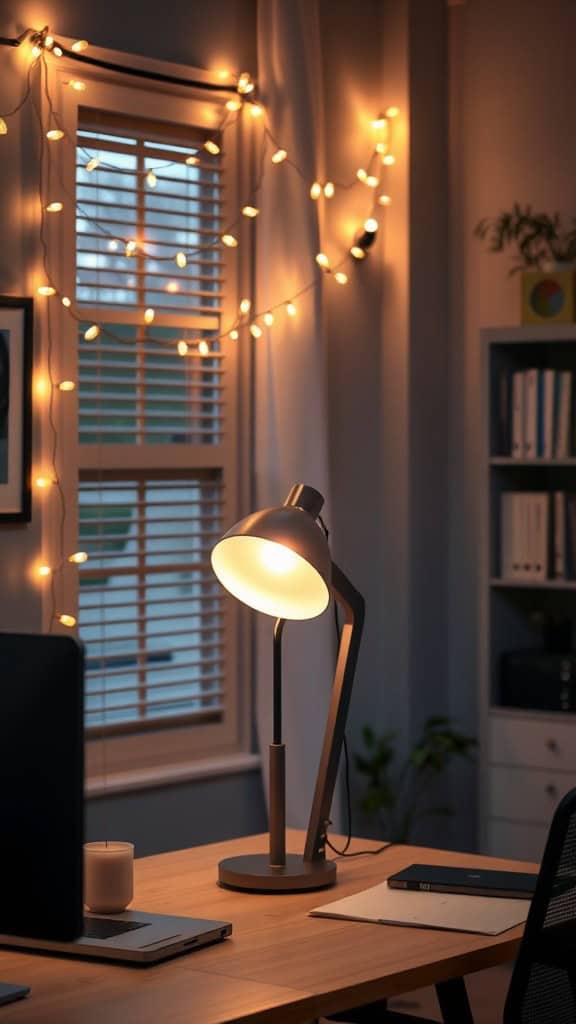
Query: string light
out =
(204, 348)
(182, 348)
(256, 110)
(192, 161)
(47, 290)
(290, 309)
(268, 319)
(79, 45)
(66, 302)
(49, 42)
(54, 207)
(365, 238)
(329, 189)
(384, 200)
(361, 174)
(357, 253)
(379, 124)
(66, 385)
(341, 277)
(255, 331)
(212, 147)
(67, 620)
(3, 127)
(230, 240)
(130, 248)
(392, 111)
(250, 211)
(36, 51)
(172, 287)
(181, 259)
(372, 181)
(245, 306)
(233, 105)
(57, 51)
(245, 84)
(42, 482)
(315, 190)
(279, 156)
(92, 332)
(92, 164)
(388, 160)
(79, 557)
(44, 570)
(151, 179)
(233, 335)
(54, 134)
(322, 260)
(149, 316)
(77, 85)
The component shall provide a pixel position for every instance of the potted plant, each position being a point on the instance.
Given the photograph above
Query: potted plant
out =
(545, 251)
(398, 795)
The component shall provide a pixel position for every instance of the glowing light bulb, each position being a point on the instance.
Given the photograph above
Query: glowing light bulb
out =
(372, 181)
(66, 302)
(384, 200)
(151, 179)
(329, 189)
(233, 335)
(149, 315)
(379, 124)
(268, 319)
(113, 245)
(230, 240)
(357, 252)
(66, 385)
(392, 111)
(255, 331)
(78, 557)
(172, 287)
(278, 558)
(388, 160)
(290, 309)
(44, 481)
(212, 147)
(46, 289)
(361, 174)
(54, 134)
(371, 225)
(315, 190)
(49, 42)
(322, 260)
(92, 332)
(192, 161)
(233, 105)
(44, 570)
(79, 45)
(279, 156)
(250, 211)
(181, 259)
(77, 85)
(57, 51)
(203, 348)
(256, 109)
(341, 277)
(67, 620)
(245, 306)
(36, 51)
(245, 84)
(182, 348)
(3, 127)
(130, 248)
(92, 164)
(54, 207)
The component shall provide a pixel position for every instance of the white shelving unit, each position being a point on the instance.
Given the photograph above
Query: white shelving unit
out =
(527, 758)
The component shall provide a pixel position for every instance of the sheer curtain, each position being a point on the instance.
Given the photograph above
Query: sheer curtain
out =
(291, 413)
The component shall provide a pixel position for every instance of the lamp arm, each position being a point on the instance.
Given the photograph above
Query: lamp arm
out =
(352, 603)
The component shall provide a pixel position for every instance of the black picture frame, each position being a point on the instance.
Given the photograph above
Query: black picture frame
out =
(16, 343)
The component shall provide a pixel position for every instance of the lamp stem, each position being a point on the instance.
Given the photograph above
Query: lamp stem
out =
(277, 799)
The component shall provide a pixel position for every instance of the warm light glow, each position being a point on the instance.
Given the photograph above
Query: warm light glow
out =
(245, 84)
(392, 111)
(290, 309)
(255, 331)
(270, 577)
(57, 51)
(384, 200)
(341, 277)
(223, 74)
(3, 127)
(44, 481)
(54, 207)
(230, 240)
(54, 134)
(361, 174)
(322, 260)
(41, 385)
(245, 306)
(388, 160)
(204, 348)
(77, 85)
(92, 164)
(36, 51)
(151, 179)
(192, 160)
(256, 109)
(172, 287)
(149, 315)
(250, 211)
(49, 42)
(181, 259)
(279, 156)
(44, 570)
(379, 124)
(67, 620)
(268, 319)
(182, 348)
(212, 147)
(357, 252)
(372, 181)
(315, 190)
(66, 302)
(130, 248)
(46, 289)
(79, 45)
(92, 332)
(371, 225)
(66, 385)
(329, 189)
(233, 335)
(78, 557)
(233, 105)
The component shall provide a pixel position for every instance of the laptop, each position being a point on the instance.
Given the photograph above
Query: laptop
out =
(42, 819)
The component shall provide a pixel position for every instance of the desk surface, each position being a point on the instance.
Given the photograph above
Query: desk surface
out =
(279, 965)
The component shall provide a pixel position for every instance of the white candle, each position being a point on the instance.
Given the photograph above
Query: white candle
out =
(108, 876)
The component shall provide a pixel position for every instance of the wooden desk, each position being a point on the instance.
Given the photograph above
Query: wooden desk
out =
(280, 966)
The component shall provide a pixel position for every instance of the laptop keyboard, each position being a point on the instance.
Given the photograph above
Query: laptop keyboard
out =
(100, 928)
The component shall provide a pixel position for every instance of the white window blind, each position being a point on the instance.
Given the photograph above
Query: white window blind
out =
(150, 612)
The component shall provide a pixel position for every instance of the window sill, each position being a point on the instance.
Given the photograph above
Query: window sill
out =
(171, 775)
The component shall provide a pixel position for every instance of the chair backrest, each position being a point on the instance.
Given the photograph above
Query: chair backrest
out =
(543, 985)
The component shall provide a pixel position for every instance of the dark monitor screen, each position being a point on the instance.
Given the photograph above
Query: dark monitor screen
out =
(41, 786)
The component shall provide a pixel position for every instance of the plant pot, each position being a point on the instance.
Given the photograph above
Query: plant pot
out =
(549, 297)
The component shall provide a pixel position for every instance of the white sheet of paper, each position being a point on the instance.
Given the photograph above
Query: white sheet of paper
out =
(485, 915)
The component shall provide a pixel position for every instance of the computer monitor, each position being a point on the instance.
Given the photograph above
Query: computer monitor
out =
(41, 786)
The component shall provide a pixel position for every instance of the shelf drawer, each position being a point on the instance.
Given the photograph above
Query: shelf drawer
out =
(535, 744)
(516, 841)
(527, 795)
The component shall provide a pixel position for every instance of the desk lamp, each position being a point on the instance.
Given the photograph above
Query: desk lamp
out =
(278, 562)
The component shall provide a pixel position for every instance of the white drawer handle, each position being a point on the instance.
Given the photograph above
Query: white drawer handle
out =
(551, 789)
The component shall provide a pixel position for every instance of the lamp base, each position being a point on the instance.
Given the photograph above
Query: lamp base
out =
(254, 873)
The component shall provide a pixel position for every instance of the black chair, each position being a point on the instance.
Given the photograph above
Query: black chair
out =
(543, 984)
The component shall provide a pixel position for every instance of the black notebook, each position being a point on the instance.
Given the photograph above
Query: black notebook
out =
(466, 881)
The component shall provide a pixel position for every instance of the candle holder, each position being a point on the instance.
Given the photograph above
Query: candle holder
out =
(108, 876)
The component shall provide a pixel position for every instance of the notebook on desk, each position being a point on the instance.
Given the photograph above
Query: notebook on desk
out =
(483, 915)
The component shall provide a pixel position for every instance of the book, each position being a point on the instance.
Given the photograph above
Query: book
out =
(518, 414)
(466, 881)
(564, 416)
(504, 431)
(531, 414)
(548, 390)
(559, 545)
(570, 536)
(538, 534)
(507, 563)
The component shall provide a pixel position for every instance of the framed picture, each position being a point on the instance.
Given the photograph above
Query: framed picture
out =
(15, 408)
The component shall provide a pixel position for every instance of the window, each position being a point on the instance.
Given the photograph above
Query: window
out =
(156, 435)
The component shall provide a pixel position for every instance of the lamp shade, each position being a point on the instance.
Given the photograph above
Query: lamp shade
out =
(276, 561)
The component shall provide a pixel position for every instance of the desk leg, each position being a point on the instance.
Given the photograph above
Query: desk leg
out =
(453, 1000)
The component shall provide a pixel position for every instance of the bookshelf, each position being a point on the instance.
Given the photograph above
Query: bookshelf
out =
(527, 756)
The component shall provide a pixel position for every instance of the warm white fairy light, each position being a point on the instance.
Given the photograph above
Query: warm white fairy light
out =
(229, 240)
(36, 51)
(149, 315)
(279, 156)
(233, 105)
(384, 200)
(388, 160)
(57, 51)
(250, 211)
(44, 570)
(42, 482)
(66, 385)
(76, 84)
(245, 306)
(256, 109)
(290, 309)
(372, 181)
(371, 225)
(172, 287)
(203, 348)
(233, 335)
(357, 252)
(3, 127)
(79, 45)
(92, 332)
(54, 134)
(361, 174)
(151, 179)
(192, 160)
(268, 319)
(54, 207)
(341, 277)
(130, 248)
(78, 558)
(47, 290)
(329, 189)
(67, 620)
(322, 260)
(212, 147)
(255, 331)
(182, 348)
(315, 190)
(66, 302)
(245, 84)
(49, 42)
(181, 259)
(92, 164)
(379, 124)
(392, 111)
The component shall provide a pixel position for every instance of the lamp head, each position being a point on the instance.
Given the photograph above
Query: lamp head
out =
(277, 561)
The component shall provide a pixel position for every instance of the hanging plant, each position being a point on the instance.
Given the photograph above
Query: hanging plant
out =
(538, 240)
